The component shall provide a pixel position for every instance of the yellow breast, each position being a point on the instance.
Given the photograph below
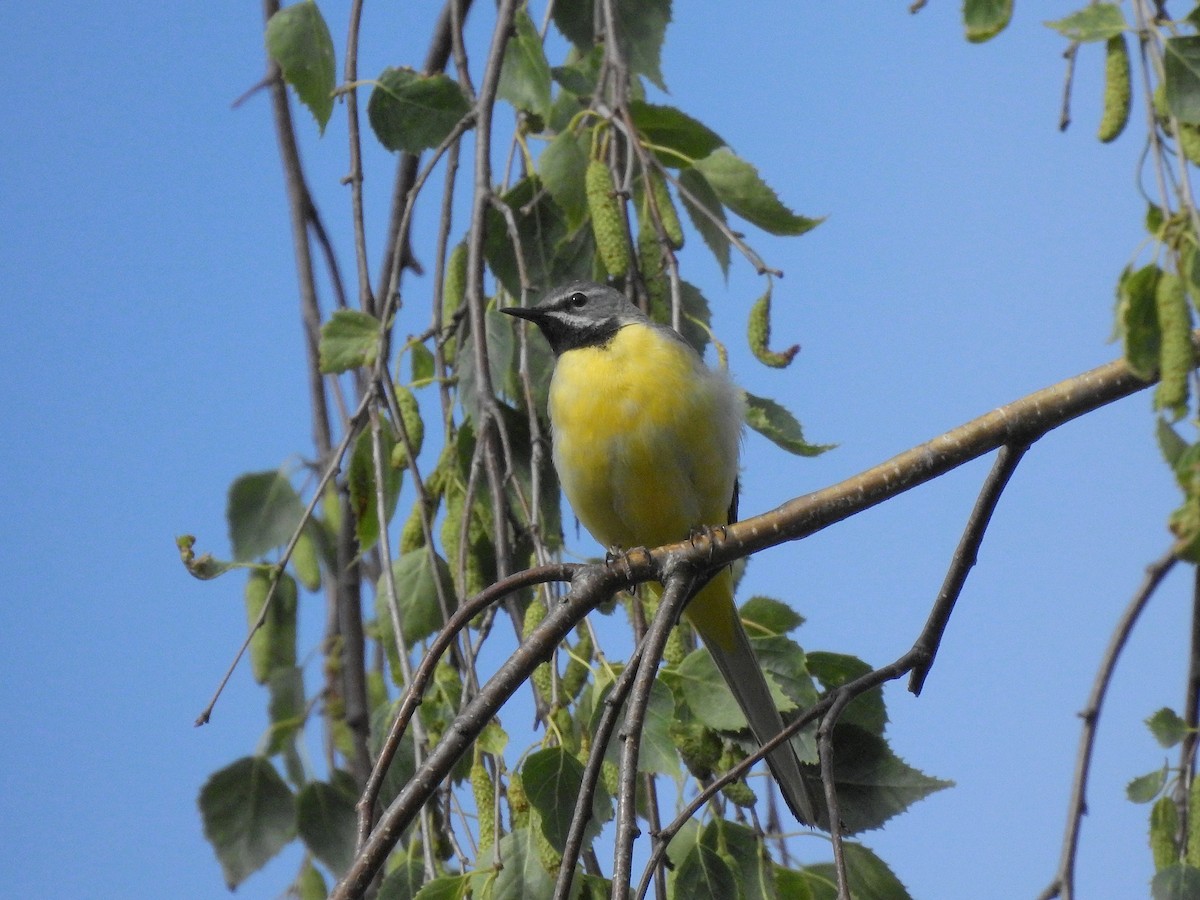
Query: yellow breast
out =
(645, 438)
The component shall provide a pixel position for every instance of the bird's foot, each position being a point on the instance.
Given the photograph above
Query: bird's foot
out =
(619, 556)
(716, 534)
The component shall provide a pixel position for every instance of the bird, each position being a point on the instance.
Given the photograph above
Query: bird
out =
(645, 442)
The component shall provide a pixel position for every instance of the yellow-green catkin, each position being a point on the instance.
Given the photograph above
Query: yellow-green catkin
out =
(412, 535)
(576, 674)
(484, 790)
(758, 333)
(605, 210)
(518, 801)
(739, 794)
(1118, 89)
(654, 275)
(543, 678)
(454, 290)
(414, 427)
(699, 746)
(1189, 142)
(675, 649)
(1177, 356)
(666, 210)
(1164, 821)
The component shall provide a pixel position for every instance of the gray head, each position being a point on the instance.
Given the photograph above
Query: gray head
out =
(579, 314)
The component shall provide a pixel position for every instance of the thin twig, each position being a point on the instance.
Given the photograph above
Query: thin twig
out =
(331, 469)
(965, 557)
(676, 592)
(591, 773)
(446, 32)
(1063, 884)
(366, 300)
(1064, 115)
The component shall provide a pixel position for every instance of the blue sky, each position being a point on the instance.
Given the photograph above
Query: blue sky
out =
(152, 354)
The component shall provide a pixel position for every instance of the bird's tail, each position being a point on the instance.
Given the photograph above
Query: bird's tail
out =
(712, 613)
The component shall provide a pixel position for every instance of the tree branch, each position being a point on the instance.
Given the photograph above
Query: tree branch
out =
(677, 590)
(1063, 884)
(965, 557)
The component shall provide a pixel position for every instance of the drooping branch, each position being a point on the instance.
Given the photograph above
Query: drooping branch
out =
(1063, 884)
(677, 590)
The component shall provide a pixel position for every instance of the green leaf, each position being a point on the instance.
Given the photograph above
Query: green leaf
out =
(578, 77)
(350, 338)
(1177, 882)
(746, 854)
(447, 887)
(709, 696)
(403, 882)
(641, 27)
(248, 814)
(561, 167)
(422, 361)
(327, 824)
(793, 885)
(523, 876)
(1096, 22)
(403, 764)
(299, 42)
(273, 646)
(1181, 63)
(656, 753)
(737, 184)
(285, 708)
(874, 784)
(517, 425)
(1167, 727)
(553, 779)
(1146, 787)
(703, 206)
(413, 113)
(1137, 316)
(703, 873)
(696, 318)
(984, 19)
(525, 74)
(575, 19)
(541, 226)
(362, 485)
(309, 884)
(263, 512)
(779, 426)
(501, 348)
(1169, 442)
(869, 876)
(833, 670)
(667, 128)
(768, 616)
(420, 612)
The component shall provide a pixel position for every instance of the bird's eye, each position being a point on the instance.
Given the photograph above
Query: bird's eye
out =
(578, 300)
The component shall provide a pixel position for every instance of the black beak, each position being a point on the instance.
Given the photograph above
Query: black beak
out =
(524, 312)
